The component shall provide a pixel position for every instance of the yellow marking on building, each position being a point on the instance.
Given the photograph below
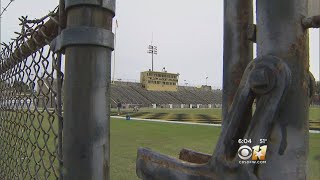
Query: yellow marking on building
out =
(159, 81)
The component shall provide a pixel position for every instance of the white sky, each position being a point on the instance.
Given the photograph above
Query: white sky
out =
(188, 33)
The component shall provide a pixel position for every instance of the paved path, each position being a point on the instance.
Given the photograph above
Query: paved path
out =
(190, 123)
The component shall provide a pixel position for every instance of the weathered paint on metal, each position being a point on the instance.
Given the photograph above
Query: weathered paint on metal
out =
(252, 32)
(224, 164)
(311, 22)
(237, 48)
(281, 34)
(191, 156)
(237, 53)
(86, 143)
(59, 76)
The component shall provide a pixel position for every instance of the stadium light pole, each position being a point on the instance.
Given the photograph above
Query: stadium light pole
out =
(152, 50)
(207, 81)
(114, 51)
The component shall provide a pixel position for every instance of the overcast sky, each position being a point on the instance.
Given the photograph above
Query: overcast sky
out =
(188, 33)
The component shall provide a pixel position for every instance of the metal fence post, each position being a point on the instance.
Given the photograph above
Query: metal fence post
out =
(237, 53)
(88, 42)
(281, 34)
(237, 48)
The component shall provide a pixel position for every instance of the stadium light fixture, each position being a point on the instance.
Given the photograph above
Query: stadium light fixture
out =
(114, 51)
(152, 50)
(185, 82)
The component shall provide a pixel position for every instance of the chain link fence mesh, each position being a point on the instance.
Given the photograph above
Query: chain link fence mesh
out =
(30, 102)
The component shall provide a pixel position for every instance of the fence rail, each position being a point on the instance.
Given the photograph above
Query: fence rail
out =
(30, 117)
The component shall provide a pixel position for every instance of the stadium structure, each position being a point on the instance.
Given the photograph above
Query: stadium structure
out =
(155, 90)
(161, 89)
(132, 94)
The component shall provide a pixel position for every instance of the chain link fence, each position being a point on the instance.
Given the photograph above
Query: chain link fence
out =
(30, 102)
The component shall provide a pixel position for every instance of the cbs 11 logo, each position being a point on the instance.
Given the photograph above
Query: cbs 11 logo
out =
(255, 153)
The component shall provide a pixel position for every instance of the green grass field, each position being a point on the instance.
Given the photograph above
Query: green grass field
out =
(33, 140)
(28, 145)
(127, 136)
(314, 113)
(199, 115)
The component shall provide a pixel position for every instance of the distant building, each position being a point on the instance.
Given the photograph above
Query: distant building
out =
(159, 81)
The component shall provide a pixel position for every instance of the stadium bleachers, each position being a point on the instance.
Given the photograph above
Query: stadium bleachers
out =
(186, 96)
(133, 93)
(125, 94)
(156, 97)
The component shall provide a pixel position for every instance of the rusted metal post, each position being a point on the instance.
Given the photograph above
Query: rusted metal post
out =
(237, 53)
(311, 22)
(281, 34)
(59, 99)
(237, 49)
(88, 43)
